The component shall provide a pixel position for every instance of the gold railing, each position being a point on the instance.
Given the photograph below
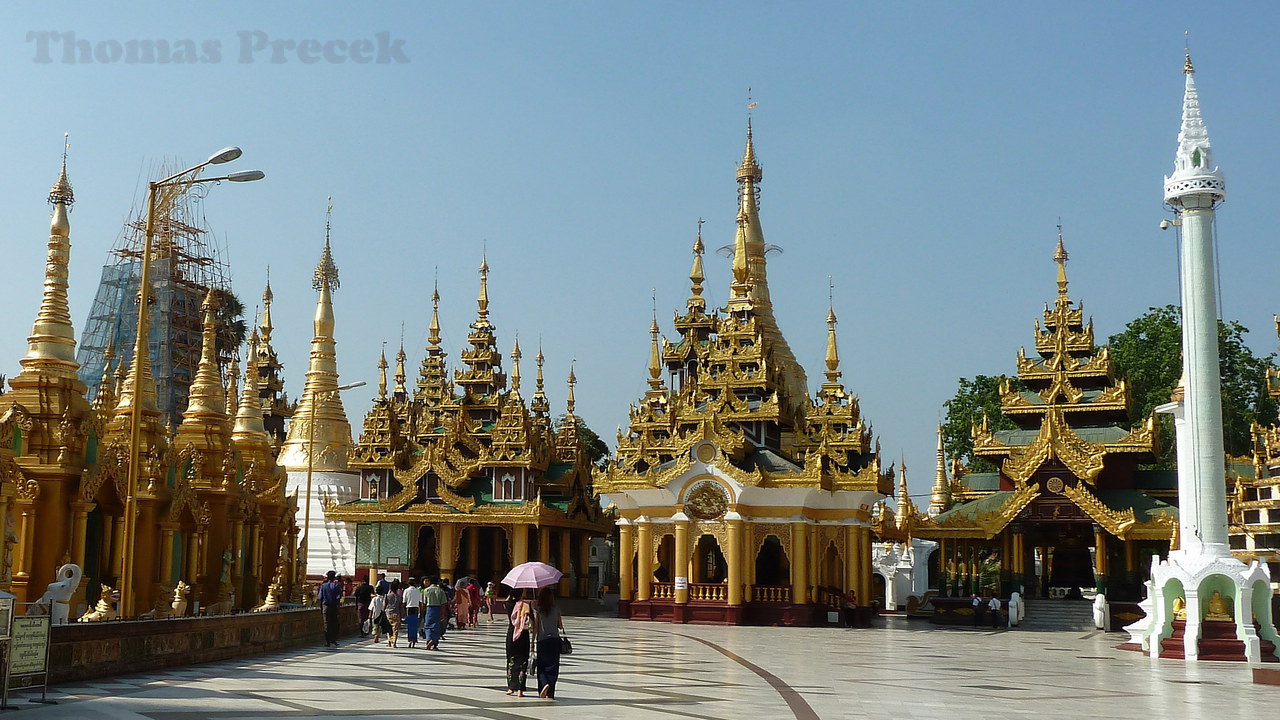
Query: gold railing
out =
(662, 591)
(830, 598)
(771, 593)
(709, 592)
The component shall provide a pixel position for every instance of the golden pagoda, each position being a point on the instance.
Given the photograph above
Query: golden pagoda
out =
(1254, 514)
(738, 498)
(1069, 506)
(462, 477)
(202, 512)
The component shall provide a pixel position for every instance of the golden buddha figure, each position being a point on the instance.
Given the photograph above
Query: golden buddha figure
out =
(1218, 608)
(1179, 608)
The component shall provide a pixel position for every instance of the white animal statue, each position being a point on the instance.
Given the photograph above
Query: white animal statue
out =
(56, 601)
(1102, 613)
(1141, 628)
(180, 592)
(1017, 609)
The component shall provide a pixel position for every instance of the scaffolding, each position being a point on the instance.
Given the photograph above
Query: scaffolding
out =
(186, 261)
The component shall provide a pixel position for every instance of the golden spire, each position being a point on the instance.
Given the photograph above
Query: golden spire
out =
(904, 497)
(539, 405)
(382, 372)
(267, 297)
(833, 353)
(482, 316)
(106, 387)
(1060, 257)
(207, 400)
(569, 402)
(655, 357)
(51, 347)
(400, 389)
(515, 368)
(249, 430)
(1188, 69)
(696, 274)
(433, 335)
(331, 436)
(233, 385)
(940, 499)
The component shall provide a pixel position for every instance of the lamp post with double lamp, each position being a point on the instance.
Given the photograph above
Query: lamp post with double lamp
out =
(176, 185)
(311, 447)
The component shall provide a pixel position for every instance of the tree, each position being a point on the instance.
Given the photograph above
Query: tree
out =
(982, 393)
(594, 447)
(1148, 354)
(232, 329)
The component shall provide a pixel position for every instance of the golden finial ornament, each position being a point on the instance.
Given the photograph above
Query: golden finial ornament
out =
(207, 396)
(1060, 257)
(1188, 68)
(326, 275)
(400, 390)
(655, 357)
(61, 193)
(569, 402)
(833, 352)
(696, 274)
(515, 367)
(433, 330)
(482, 316)
(382, 371)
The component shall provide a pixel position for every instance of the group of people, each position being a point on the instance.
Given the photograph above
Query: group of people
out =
(535, 637)
(992, 608)
(422, 608)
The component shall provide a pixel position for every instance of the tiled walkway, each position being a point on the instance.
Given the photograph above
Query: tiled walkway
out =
(630, 670)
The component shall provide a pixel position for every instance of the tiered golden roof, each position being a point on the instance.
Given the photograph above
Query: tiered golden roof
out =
(738, 383)
(444, 447)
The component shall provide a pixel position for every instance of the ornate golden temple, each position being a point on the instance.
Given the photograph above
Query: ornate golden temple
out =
(738, 498)
(208, 507)
(1254, 514)
(460, 476)
(1069, 506)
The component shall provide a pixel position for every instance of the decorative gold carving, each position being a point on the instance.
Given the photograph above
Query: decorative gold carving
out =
(1054, 485)
(1116, 523)
(707, 500)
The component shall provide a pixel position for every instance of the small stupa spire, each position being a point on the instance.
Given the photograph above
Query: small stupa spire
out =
(382, 372)
(1194, 173)
(655, 356)
(51, 347)
(1060, 257)
(696, 274)
(833, 352)
(940, 498)
(570, 403)
(265, 325)
(433, 330)
(233, 385)
(399, 389)
(207, 399)
(515, 368)
(482, 315)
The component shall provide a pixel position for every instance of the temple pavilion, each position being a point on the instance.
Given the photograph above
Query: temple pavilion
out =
(203, 503)
(738, 498)
(1254, 522)
(461, 476)
(1069, 506)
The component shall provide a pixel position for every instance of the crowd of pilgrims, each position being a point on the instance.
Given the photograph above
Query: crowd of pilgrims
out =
(424, 609)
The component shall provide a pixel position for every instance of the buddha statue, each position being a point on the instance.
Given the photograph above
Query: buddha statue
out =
(1179, 608)
(1218, 608)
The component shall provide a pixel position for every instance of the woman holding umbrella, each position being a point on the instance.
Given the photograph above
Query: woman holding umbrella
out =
(546, 626)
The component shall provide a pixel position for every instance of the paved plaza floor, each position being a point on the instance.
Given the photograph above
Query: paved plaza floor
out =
(621, 669)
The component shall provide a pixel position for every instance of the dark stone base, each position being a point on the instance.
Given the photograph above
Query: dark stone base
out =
(624, 608)
(81, 651)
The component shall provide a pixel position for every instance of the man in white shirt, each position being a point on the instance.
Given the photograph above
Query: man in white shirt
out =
(994, 608)
(413, 609)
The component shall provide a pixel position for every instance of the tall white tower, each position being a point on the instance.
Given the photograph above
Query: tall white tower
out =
(1201, 591)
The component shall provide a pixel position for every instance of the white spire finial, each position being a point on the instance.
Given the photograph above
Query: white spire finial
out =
(1193, 170)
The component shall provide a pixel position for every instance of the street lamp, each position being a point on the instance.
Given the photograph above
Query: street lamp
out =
(181, 181)
(311, 447)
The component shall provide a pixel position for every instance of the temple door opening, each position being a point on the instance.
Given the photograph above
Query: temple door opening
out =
(773, 569)
(709, 564)
(663, 569)
(425, 562)
(831, 570)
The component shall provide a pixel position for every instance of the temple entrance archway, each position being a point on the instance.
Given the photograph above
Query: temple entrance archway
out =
(831, 568)
(772, 565)
(425, 561)
(664, 569)
(709, 564)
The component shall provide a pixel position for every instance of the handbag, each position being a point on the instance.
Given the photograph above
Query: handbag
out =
(566, 647)
(366, 627)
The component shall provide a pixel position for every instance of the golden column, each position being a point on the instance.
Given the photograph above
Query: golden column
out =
(519, 543)
(584, 565)
(864, 559)
(1100, 557)
(680, 564)
(80, 517)
(852, 561)
(473, 551)
(644, 551)
(166, 552)
(800, 563)
(544, 545)
(27, 494)
(625, 559)
(447, 548)
(733, 521)
(566, 562)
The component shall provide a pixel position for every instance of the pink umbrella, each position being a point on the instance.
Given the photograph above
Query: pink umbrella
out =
(532, 575)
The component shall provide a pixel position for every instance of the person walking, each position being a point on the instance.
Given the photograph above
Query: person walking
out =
(378, 614)
(519, 631)
(490, 599)
(547, 626)
(462, 605)
(393, 610)
(473, 593)
(977, 610)
(330, 595)
(363, 594)
(993, 607)
(412, 597)
(434, 601)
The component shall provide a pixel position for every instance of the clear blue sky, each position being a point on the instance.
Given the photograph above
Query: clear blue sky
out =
(919, 153)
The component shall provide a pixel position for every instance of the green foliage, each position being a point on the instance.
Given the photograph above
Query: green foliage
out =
(596, 449)
(232, 329)
(971, 399)
(1148, 354)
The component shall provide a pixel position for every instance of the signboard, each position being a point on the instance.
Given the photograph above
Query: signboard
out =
(682, 583)
(6, 614)
(28, 652)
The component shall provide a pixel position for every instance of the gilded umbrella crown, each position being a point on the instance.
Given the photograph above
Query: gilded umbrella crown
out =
(326, 275)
